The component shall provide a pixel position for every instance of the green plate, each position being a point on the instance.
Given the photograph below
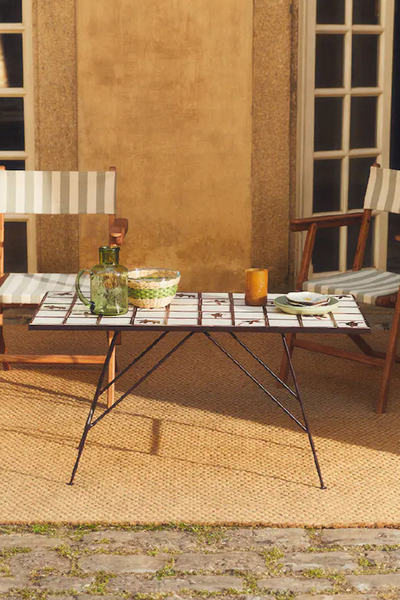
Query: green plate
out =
(282, 303)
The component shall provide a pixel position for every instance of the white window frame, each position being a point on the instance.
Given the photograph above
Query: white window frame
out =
(305, 118)
(26, 92)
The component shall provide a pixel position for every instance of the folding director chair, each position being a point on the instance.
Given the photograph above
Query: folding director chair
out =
(52, 192)
(369, 285)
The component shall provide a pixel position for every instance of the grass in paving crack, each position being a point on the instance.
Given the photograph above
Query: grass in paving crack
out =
(66, 551)
(272, 558)
(284, 595)
(37, 574)
(208, 535)
(5, 570)
(369, 567)
(99, 585)
(167, 571)
(29, 594)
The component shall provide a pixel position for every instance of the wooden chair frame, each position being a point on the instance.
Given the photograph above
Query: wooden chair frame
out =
(117, 231)
(369, 355)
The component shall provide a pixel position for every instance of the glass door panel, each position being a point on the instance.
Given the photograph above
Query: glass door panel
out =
(345, 117)
(326, 193)
(366, 12)
(330, 11)
(329, 61)
(364, 61)
(328, 123)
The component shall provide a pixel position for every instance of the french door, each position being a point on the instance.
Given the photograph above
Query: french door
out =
(344, 99)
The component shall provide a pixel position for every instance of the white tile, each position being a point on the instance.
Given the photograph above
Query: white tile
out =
(48, 321)
(355, 325)
(251, 314)
(246, 309)
(54, 306)
(59, 299)
(193, 308)
(144, 321)
(222, 295)
(216, 322)
(215, 302)
(281, 316)
(273, 309)
(183, 315)
(348, 317)
(285, 323)
(314, 322)
(52, 313)
(207, 308)
(182, 322)
(186, 296)
(144, 313)
(238, 301)
(238, 296)
(250, 322)
(347, 309)
(184, 301)
(115, 321)
(82, 321)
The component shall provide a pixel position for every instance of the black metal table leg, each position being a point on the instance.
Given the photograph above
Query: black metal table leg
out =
(93, 405)
(100, 390)
(323, 487)
(296, 394)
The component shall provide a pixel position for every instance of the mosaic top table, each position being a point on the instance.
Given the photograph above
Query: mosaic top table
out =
(193, 313)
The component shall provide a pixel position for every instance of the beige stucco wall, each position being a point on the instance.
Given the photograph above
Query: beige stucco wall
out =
(54, 45)
(165, 96)
(195, 106)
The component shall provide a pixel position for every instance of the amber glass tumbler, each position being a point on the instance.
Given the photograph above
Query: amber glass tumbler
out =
(256, 287)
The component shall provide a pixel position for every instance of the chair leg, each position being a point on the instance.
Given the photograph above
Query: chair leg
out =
(3, 349)
(284, 372)
(389, 360)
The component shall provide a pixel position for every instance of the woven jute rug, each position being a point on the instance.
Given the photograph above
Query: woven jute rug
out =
(198, 442)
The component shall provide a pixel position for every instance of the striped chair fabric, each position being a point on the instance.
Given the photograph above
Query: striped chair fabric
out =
(383, 190)
(58, 192)
(29, 288)
(366, 285)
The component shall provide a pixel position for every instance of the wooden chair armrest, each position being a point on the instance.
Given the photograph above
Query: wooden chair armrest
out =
(326, 221)
(118, 230)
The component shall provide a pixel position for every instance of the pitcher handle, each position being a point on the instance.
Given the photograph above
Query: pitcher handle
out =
(82, 298)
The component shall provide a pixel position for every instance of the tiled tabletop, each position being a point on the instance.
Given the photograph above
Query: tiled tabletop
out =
(199, 312)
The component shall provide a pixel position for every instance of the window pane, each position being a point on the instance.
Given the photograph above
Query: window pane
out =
(352, 240)
(326, 250)
(328, 124)
(330, 12)
(11, 60)
(366, 12)
(15, 247)
(329, 61)
(10, 11)
(358, 179)
(364, 69)
(12, 124)
(363, 122)
(13, 165)
(326, 185)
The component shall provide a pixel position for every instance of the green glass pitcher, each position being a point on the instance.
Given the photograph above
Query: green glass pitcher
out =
(108, 284)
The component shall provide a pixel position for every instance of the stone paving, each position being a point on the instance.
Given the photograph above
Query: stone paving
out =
(182, 561)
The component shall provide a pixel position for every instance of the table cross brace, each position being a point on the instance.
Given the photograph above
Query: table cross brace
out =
(100, 390)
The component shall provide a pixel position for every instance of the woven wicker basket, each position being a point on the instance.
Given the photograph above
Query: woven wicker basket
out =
(152, 288)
